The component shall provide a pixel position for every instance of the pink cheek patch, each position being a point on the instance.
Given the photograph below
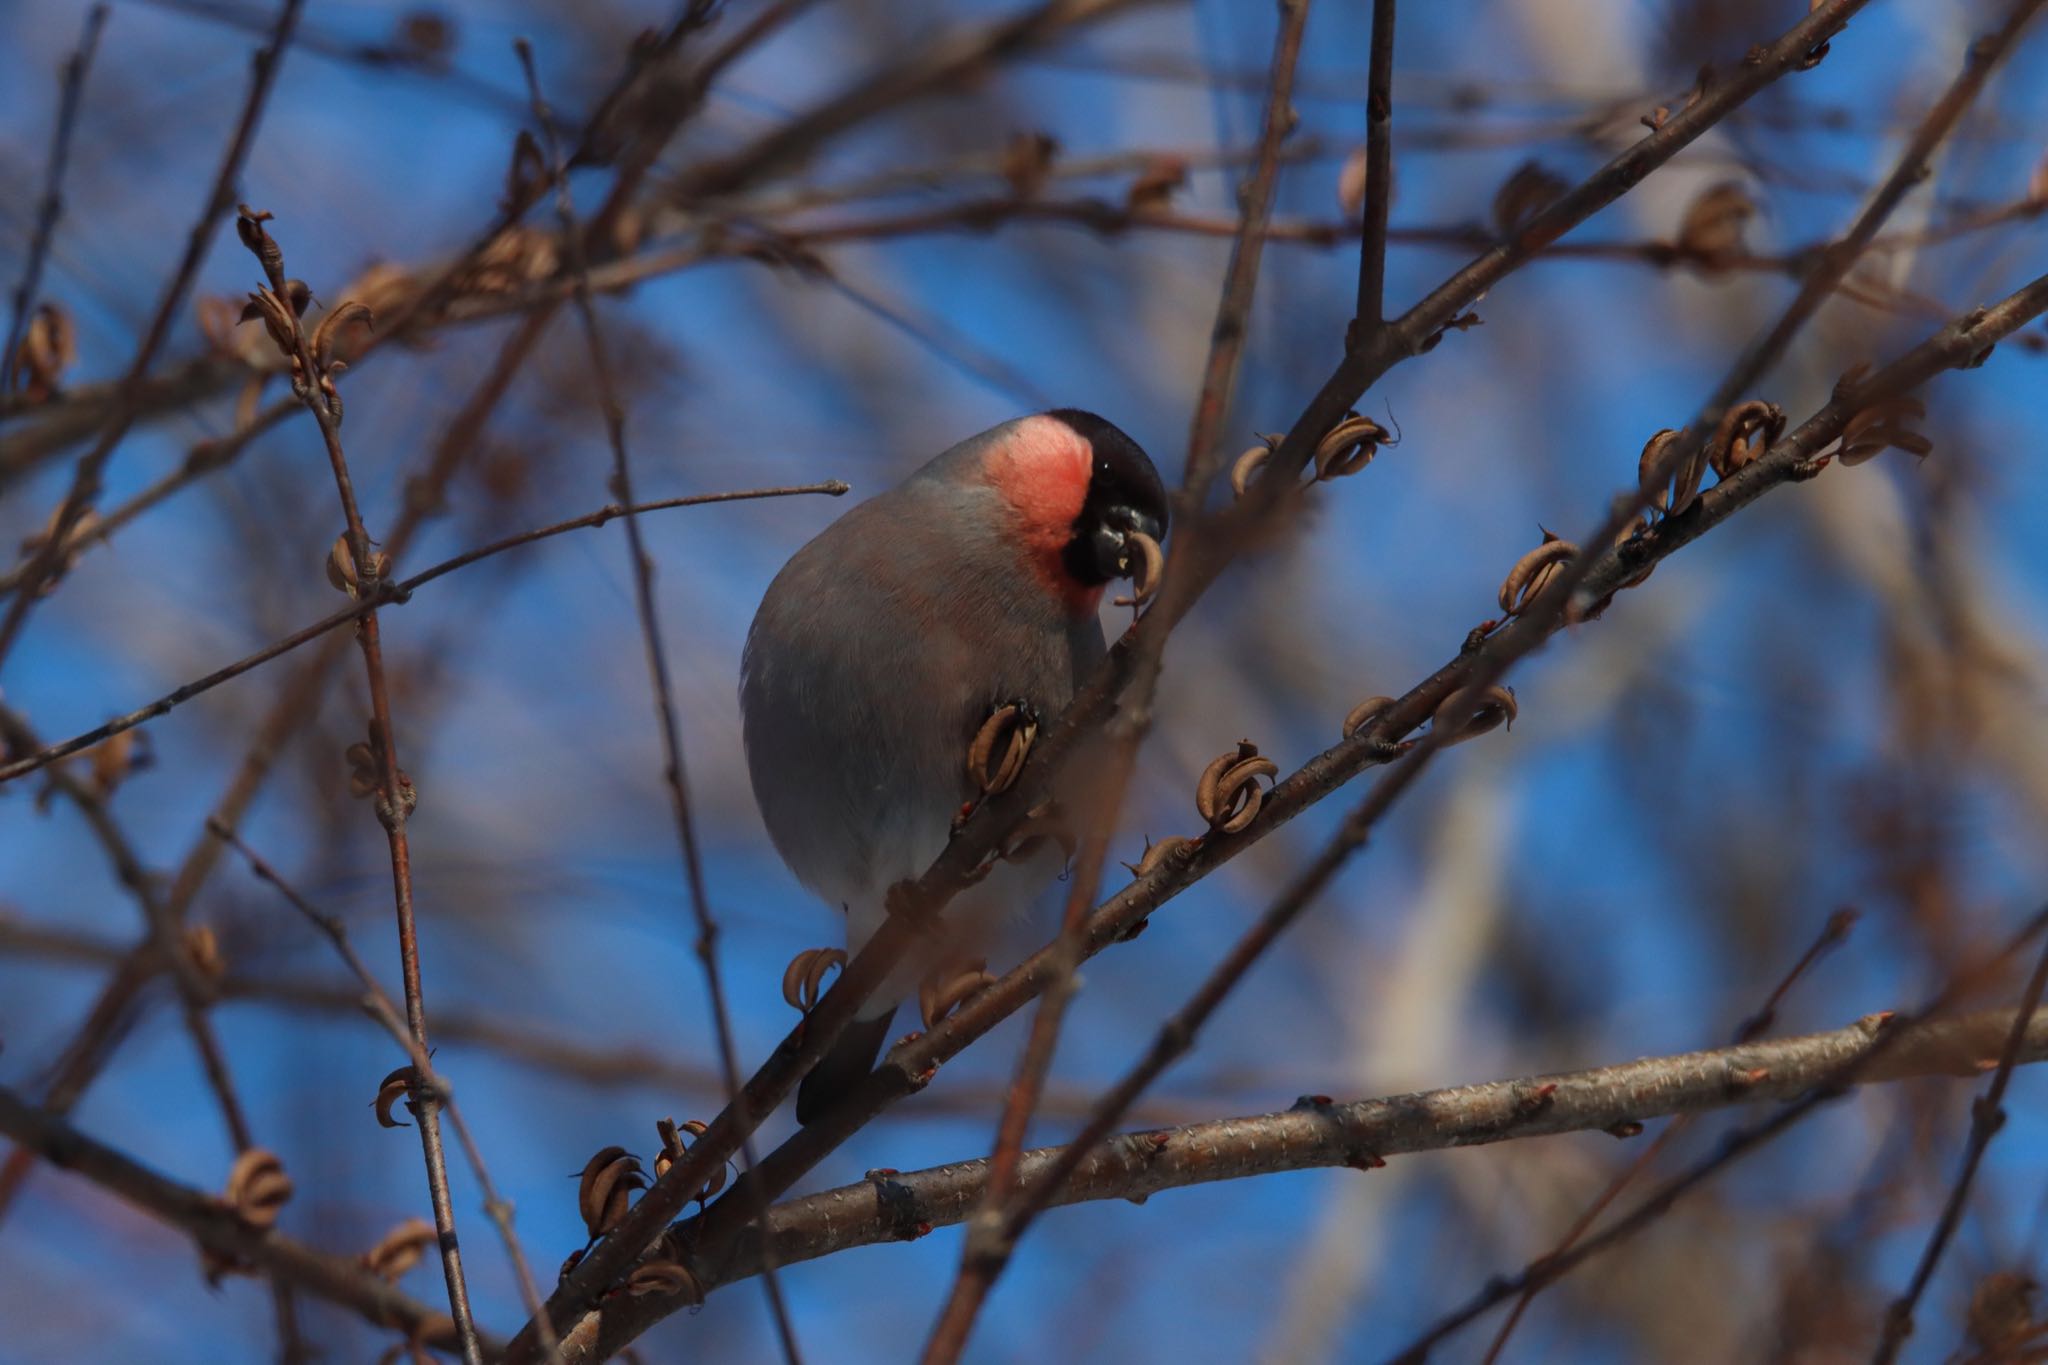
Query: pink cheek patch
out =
(1042, 472)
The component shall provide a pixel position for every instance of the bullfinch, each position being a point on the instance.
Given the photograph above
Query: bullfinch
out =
(885, 643)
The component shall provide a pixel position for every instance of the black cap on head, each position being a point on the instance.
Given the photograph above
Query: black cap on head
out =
(1124, 494)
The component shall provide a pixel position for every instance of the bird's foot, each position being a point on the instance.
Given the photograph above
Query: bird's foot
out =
(948, 987)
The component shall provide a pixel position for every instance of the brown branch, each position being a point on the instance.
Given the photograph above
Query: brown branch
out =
(1316, 1133)
(995, 818)
(1833, 933)
(988, 1244)
(426, 1079)
(386, 593)
(51, 206)
(1371, 312)
(1987, 1116)
(213, 1225)
(674, 773)
(394, 799)
(86, 481)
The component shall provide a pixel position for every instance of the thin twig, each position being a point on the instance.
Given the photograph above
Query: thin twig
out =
(989, 1242)
(1834, 932)
(214, 1225)
(51, 207)
(394, 791)
(427, 1079)
(1371, 314)
(673, 770)
(86, 481)
(386, 594)
(1987, 1116)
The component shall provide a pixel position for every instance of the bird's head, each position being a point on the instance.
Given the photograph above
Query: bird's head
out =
(1080, 488)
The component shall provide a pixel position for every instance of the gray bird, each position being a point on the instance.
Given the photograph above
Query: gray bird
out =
(885, 643)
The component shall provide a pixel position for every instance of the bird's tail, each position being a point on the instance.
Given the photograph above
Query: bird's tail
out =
(843, 1067)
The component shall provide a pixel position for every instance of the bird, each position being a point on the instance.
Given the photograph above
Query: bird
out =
(887, 641)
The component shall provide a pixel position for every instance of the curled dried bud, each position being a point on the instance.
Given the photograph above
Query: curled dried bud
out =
(1155, 185)
(115, 759)
(946, 989)
(330, 328)
(1349, 447)
(258, 1188)
(249, 227)
(1523, 195)
(1228, 796)
(341, 566)
(664, 1277)
(1151, 568)
(400, 1250)
(1656, 479)
(1745, 432)
(49, 346)
(1027, 161)
(605, 1189)
(510, 261)
(527, 176)
(803, 980)
(2001, 1310)
(1495, 709)
(393, 1088)
(1533, 573)
(1248, 465)
(202, 947)
(1881, 426)
(1364, 714)
(1351, 184)
(1711, 231)
(674, 1148)
(997, 755)
(1156, 854)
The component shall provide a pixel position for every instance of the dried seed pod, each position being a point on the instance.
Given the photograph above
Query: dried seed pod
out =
(278, 320)
(1745, 432)
(49, 346)
(400, 1250)
(1711, 231)
(1000, 747)
(1349, 447)
(673, 1149)
(1228, 796)
(510, 261)
(1151, 568)
(1154, 187)
(1533, 573)
(1157, 853)
(393, 1088)
(527, 175)
(330, 328)
(1523, 195)
(946, 989)
(249, 227)
(2001, 1310)
(803, 980)
(258, 1188)
(1881, 425)
(1027, 161)
(117, 758)
(1364, 714)
(1247, 465)
(202, 947)
(663, 1277)
(605, 1189)
(1495, 709)
(341, 565)
(1656, 480)
(1045, 821)
(1351, 184)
